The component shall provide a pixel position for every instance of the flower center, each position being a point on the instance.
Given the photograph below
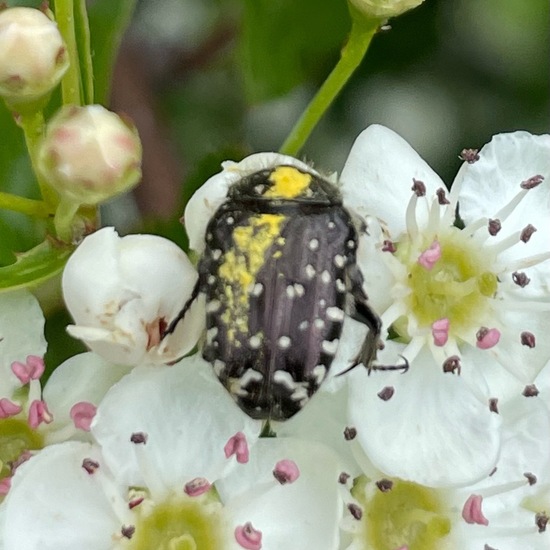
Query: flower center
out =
(448, 279)
(405, 516)
(179, 523)
(16, 437)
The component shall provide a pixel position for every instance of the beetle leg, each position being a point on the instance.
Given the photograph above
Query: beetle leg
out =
(372, 342)
(172, 326)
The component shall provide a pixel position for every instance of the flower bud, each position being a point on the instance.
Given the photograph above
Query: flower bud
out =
(384, 9)
(33, 56)
(90, 154)
(122, 294)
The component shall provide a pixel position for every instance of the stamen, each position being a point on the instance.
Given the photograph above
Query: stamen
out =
(32, 369)
(434, 218)
(530, 391)
(286, 471)
(355, 511)
(531, 478)
(441, 197)
(238, 446)
(8, 408)
(472, 513)
(127, 531)
(440, 331)
(384, 485)
(343, 478)
(493, 405)
(541, 521)
(487, 338)
(38, 413)
(82, 414)
(469, 155)
(386, 393)
(139, 438)
(429, 257)
(410, 217)
(388, 246)
(419, 188)
(90, 465)
(529, 261)
(350, 433)
(197, 487)
(494, 226)
(452, 365)
(520, 279)
(532, 182)
(526, 233)
(528, 339)
(248, 537)
(507, 209)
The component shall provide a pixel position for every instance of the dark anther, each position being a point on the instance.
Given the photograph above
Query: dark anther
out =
(135, 502)
(528, 339)
(531, 478)
(494, 226)
(441, 197)
(452, 364)
(138, 438)
(355, 511)
(532, 182)
(481, 333)
(493, 405)
(419, 188)
(350, 433)
(90, 465)
(493, 471)
(530, 391)
(127, 531)
(343, 478)
(386, 393)
(469, 155)
(541, 520)
(487, 547)
(526, 233)
(388, 246)
(384, 485)
(520, 278)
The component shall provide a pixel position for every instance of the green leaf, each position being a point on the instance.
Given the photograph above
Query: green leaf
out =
(108, 21)
(82, 32)
(34, 266)
(289, 42)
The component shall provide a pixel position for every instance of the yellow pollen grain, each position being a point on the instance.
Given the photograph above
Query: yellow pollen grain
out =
(288, 183)
(241, 266)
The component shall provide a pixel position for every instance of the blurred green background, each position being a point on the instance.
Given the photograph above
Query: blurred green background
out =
(208, 80)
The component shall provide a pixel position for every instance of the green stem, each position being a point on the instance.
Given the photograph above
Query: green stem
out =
(360, 37)
(30, 207)
(70, 85)
(33, 127)
(63, 221)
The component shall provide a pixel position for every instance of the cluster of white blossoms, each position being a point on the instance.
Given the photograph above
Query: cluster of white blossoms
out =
(145, 450)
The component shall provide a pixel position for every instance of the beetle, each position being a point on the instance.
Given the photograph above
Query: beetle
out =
(279, 273)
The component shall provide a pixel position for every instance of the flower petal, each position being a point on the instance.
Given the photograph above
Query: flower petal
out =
(301, 515)
(378, 176)
(54, 503)
(186, 417)
(432, 430)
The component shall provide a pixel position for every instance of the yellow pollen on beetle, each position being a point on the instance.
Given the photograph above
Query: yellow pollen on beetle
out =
(288, 183)
(241, 265)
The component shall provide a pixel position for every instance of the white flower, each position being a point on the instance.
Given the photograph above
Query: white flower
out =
(167, 435)
(502, 511)
(33, 57)
(89, 154)
(122, 292)
(471, 302)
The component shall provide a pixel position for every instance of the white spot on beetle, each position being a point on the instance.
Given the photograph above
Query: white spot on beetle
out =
(350, 244)
(335, 313)
(211, 333)
(319, 372)
(331, 225)
(300, 394)
(325, 277)
(310, 271)
(340, 286)
(339, 260)
(330, 346)
(299, 289)
(250, 375)
(211, 280)
(219, 367)
(285, 379)
(255, 341)
(230, 220)
(284, 342)
(290, 292)
(213, 306)
(216, 254)
(303, 325)
(257, 289)
(319, 323)
(313, 244)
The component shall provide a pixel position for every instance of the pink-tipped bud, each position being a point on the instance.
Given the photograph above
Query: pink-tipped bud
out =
(384, 9)
(33, 56)
(90, 154)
